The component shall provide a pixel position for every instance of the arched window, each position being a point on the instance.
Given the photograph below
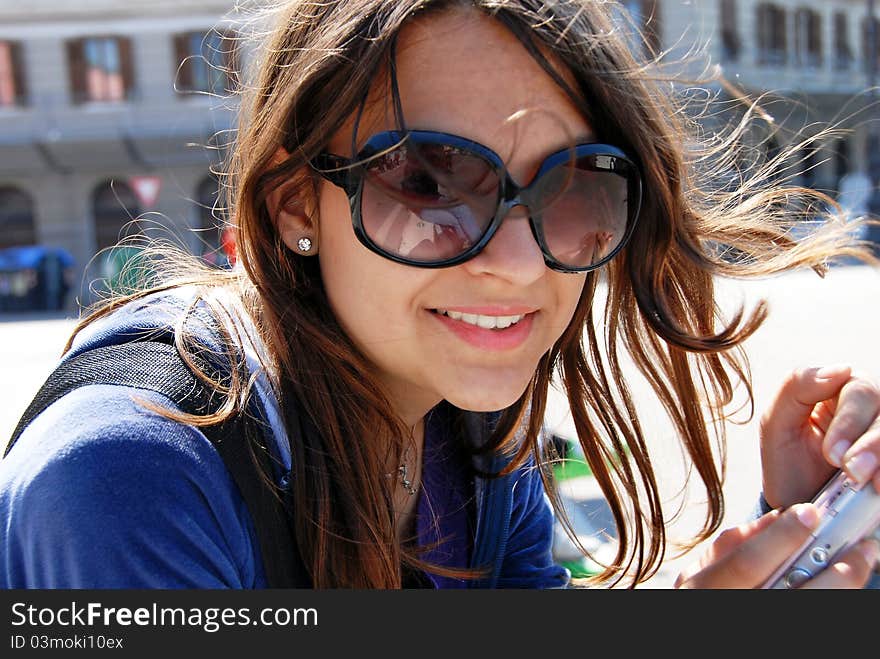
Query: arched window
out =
(772, 34)
(114, 205)
(808, 37)
(16, 218)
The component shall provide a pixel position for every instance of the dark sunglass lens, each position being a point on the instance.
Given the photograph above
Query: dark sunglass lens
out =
(584, 212)
(428, 203)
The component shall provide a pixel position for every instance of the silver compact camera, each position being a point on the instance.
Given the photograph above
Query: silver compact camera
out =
(847, 514)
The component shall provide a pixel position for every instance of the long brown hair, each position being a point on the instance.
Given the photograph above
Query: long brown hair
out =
(315, 67)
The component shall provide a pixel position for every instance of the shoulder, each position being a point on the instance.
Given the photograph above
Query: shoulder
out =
(101, 491)
(94, 422)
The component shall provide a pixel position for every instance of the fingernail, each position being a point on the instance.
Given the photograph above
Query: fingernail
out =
(861, 466)
(837, 451)
(807, 514)
(870, 549)
(831, 372)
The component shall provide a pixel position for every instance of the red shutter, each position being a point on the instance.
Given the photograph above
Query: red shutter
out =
(126, 63)
(76, 66)
(183, 78)
(19, 76)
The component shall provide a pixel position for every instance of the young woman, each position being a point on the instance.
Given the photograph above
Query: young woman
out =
(427, 196)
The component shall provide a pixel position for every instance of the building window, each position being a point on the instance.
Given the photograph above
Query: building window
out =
(841, 160)
(842, 52)
(870, 43)
(808, 162)
(808, 38)
(772, 42)
(205, 62)
(100, 69)
(730, 40)
(772, 151)
(12, 79)
(16, 218)
(114, 205)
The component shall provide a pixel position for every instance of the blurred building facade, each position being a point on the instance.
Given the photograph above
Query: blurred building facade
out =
(110, 109)
(811, 63)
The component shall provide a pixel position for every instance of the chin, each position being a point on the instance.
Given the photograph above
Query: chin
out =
(489, 399)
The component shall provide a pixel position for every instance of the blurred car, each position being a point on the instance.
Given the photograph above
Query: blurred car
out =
(586, 509)
(34, 278)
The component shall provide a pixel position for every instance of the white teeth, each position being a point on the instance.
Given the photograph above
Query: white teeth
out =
(486, 322)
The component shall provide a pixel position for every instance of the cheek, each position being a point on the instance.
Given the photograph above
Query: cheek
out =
(340, 256)
(370, 295)
(570, 287)
(347, 280)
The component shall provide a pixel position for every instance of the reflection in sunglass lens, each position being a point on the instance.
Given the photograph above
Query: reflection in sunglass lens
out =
(428, 202)
(584, 213)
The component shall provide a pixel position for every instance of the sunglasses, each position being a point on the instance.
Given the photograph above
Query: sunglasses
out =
(433, 200)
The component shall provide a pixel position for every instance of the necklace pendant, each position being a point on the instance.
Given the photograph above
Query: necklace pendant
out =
(407, 484)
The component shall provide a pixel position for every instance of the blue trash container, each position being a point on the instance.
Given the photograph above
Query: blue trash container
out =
(34, 278)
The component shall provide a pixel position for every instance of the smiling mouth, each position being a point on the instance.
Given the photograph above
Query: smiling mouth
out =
(479, 320)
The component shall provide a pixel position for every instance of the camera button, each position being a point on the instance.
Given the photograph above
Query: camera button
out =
(819, 555)
(796, 577)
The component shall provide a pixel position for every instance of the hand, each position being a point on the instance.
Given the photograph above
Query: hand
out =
(821, 419)
(747, 555)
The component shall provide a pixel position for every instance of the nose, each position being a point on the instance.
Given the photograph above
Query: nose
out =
(513, 253)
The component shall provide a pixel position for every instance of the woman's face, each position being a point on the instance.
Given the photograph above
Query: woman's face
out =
(465, 74)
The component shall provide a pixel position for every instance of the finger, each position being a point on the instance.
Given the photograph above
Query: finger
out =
(822, 415)
(725, 543)
(798, 396)
(860, 461)
(852, 570)
(855, 418)
(750, 562)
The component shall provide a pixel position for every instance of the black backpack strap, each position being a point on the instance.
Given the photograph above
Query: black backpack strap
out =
(142, 364)
(157, 366)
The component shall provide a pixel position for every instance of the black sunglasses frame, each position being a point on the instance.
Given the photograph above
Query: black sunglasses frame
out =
(349, 174)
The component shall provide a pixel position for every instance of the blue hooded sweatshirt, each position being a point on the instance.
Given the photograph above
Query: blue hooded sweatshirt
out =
(101, 492)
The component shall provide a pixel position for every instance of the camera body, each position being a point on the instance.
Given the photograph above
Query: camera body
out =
(847, 514)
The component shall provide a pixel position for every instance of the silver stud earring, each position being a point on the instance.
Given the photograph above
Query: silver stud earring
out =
(304, 244)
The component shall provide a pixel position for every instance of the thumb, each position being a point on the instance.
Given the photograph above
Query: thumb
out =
(802, 390)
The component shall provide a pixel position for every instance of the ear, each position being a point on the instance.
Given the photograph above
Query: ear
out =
(293, 214)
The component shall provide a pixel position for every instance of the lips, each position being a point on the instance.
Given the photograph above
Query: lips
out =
(487, 331)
